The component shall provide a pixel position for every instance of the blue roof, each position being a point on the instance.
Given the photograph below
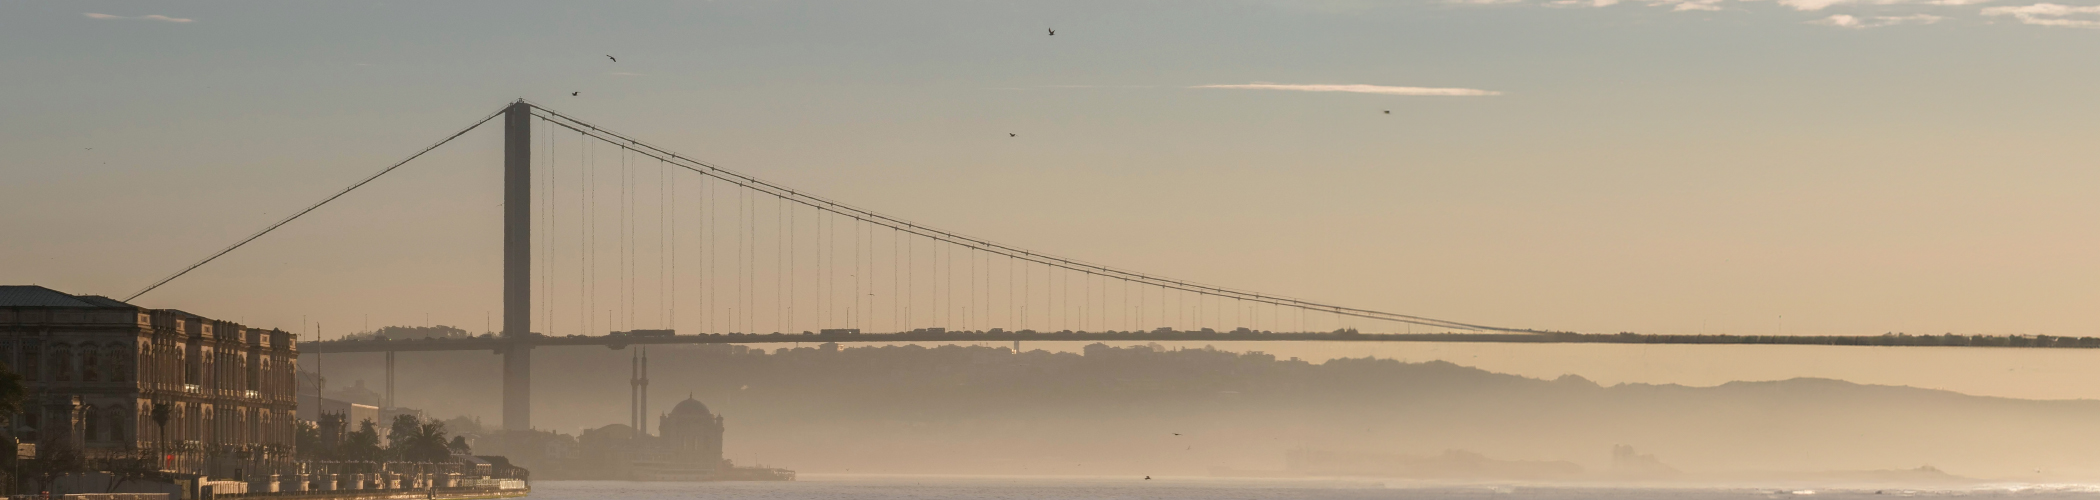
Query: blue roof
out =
(37, 296)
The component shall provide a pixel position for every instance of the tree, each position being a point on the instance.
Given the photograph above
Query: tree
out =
(10, 465)
(459, 446)
(362, 445)
(55, 458)
(125, 466)
(428, 443)
(306, 439)
(400, 433)
(162, 412)
(12, 392)
(415, 440)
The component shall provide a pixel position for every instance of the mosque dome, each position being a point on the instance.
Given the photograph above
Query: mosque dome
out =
(690, 407)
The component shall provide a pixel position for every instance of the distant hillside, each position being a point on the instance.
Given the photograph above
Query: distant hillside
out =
(1116, 411)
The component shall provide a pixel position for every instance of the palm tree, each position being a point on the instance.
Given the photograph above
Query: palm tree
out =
(428, 443)
(161, 413)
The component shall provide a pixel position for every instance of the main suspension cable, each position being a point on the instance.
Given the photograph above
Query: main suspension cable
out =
(324, 201)
(861, 215)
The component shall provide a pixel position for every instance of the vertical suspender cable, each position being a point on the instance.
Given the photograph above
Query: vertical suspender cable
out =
(553, 217)
(674, 249)
(711, 278)
(591, 246)
(779, 279)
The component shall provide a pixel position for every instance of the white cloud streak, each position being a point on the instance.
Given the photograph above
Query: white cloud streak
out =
(1584, 3)
(1800, 5)
(1812, 5)
(2049, 14)
(1693, 5)
(1358, 88)
(148, 17)
(1857, 22)
(2040, 14)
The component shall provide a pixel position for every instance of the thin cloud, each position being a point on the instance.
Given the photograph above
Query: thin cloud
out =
(1812, 5)
(1357, 88)
(1584, 3)
(148, 17)
(1856, 22)
(1694, 5)
(1800, 5)
(2049, 14)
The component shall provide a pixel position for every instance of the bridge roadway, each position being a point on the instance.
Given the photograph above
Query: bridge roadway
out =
(501, 344)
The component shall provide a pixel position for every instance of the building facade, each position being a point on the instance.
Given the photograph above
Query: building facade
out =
(96, 369)
(691, 434)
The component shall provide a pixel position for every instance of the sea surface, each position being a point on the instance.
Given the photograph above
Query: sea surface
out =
(916, 487)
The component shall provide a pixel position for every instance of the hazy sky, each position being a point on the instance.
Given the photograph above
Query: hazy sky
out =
(1854, 167)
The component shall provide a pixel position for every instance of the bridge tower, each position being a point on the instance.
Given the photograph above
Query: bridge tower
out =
(517, 266)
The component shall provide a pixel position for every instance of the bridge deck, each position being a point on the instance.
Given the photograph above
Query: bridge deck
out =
(621, 342)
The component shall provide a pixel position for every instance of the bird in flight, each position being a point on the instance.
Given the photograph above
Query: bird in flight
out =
(1148, 478)
(574, 94)
(614, 59)
(1177, 433)
(1388, 111)
(1011, 134)
(1053, 31)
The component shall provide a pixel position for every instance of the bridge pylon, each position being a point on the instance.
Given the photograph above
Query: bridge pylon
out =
(517, 266)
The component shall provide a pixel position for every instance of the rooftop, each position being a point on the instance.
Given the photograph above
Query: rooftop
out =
(37, 296)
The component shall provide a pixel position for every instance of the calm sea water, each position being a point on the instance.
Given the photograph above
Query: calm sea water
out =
(835, 487)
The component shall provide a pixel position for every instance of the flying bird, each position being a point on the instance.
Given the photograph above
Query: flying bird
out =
(1053, 31)
(574, 94)
(1177, 433)
(614, 59)
(1388, 111)
(1011, 134)
(1148, 478)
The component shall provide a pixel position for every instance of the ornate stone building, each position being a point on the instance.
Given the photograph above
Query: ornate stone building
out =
(97, 367)
(691, 434)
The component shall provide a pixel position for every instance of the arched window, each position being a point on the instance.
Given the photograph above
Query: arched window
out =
(61, 363)
(90, 363)
(32, 361)
(119, 363)
(117, 420)
(94, 424)
(190, 367)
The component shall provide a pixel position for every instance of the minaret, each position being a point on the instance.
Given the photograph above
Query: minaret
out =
(634, 391)
(642, 417)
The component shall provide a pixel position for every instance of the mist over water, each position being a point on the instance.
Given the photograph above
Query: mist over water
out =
(1162, 411)
(872, 487)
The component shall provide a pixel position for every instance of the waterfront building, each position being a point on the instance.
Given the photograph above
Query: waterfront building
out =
(97, 367)
(691, 434)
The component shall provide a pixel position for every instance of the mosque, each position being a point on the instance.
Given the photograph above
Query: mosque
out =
(687, 445)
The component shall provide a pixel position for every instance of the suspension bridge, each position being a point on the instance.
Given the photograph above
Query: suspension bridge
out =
(608, 238)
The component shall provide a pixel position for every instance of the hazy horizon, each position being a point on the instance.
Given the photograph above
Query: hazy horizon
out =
(1741, 167)
(985, 410)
